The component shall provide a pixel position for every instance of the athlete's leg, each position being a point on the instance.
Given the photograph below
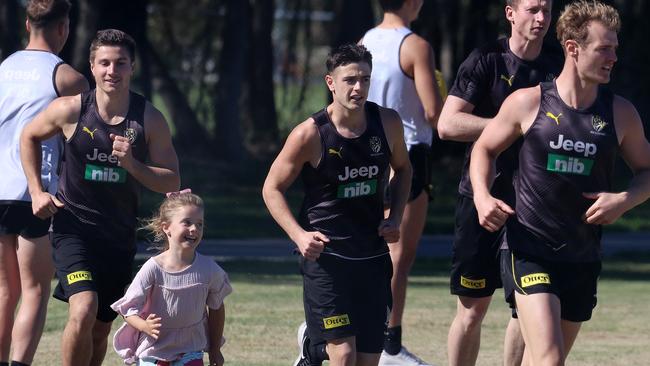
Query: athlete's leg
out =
(100, 341)
(464, 339)
(367, 359)
(539, 319)
(569, 334)
(36, 272)
(342, 351)
(403, 252)
(77, 344)
(513, 344)
(9, 291)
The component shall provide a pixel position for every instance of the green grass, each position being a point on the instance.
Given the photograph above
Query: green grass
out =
(265, 309)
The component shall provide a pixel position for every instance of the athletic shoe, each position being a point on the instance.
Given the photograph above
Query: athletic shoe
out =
(303, 344)
(403, 358)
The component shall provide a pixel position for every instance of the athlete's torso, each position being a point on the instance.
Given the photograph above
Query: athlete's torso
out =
(27, 86)
(94, 188)
(565, 153)
(485, 79)
(391, 87)
(344, 193)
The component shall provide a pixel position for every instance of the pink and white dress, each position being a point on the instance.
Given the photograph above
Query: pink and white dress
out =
(180, 299)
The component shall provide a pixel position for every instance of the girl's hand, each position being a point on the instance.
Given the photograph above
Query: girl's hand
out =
(151, 326)
(216, 358)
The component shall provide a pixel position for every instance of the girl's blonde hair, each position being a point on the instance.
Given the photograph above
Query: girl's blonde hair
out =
(173, 202)
(575, 19)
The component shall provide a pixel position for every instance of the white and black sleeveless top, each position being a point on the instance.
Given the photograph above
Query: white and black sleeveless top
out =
(344, 193)
(565, 152)
(95, 189)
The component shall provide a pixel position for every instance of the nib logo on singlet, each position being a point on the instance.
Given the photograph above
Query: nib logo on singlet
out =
(358, 189)
(569, 164)
(99, 173)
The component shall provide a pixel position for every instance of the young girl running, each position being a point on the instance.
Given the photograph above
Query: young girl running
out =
(165, 306)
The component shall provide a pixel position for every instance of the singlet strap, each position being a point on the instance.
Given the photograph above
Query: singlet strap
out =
(321, 118)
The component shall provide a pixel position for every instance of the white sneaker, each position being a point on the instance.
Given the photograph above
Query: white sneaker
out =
(302, 356)
(403, 358)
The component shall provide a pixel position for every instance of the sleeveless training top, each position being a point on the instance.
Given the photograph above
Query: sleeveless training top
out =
(565, 152)
(344, 193)
(485, 79)
(94, 188)
(390, 87)
(27, 86)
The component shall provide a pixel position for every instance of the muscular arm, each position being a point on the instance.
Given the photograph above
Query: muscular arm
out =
(635, 150)
(514, 117)
(457, 123)
(302, 146)
(69, 82)
(418, 59)
(400, 183)
(161, 173)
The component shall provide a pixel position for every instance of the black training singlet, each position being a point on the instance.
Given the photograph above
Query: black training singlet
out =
(485, 79)
(564, 153)
(94, 188)
(344, 193)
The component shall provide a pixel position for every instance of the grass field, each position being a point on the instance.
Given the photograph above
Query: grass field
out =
(266, 307)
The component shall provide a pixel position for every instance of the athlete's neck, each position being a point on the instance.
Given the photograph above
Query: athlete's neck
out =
(112, 107)
(525, 49)
(574, 90)
(40, 44)
(394, 20)
(348, 123)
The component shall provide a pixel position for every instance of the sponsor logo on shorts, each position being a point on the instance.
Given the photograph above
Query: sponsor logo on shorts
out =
(79, 276)
(472, 284)
(535, 279)
(106, 174)
(358, 189)
(336, 321)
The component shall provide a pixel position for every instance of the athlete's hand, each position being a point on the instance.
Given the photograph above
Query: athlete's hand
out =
(122, 150)
(607, 208)
(152, 325)
(311, 244)
(389, 229)
(215, 358)
(492, 212)
(45, 205)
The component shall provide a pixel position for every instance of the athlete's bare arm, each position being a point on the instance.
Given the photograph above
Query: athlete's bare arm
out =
(160, 173)
(60, 116)
(635, 150)
(418, 60)
(70, 82)
(457, 123)
(400, 183)
(302, 147)
(514, 118)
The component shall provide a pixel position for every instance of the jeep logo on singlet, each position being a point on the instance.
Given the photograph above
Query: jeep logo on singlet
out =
(364, 171)
(568, 164)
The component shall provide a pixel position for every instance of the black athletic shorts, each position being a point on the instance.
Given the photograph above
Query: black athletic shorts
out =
(421, 158)
(575, 284)
(89, 263)
(475, 260)
(345, 298)
(18, 219)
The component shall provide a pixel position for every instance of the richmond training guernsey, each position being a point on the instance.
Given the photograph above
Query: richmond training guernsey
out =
(485, 79)
(565, 152)
(101, 195)
(27, 86)
(344, 193)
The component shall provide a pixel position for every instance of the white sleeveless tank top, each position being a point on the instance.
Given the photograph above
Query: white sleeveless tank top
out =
(390, 87)
(27, 86)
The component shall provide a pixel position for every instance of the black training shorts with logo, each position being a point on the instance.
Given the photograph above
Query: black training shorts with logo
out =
(345, 298)
(575, 284)
(87, 262)
(18, 219)
(475, 260)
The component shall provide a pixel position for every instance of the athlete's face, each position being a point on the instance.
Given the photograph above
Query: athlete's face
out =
(530, 19)
(596, 57)
(185, 229)
(112, 68)
(349, 85)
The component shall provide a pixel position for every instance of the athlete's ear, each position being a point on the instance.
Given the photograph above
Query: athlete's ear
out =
(571, 47)
(28, 26)
(329, 80)
(509, 13)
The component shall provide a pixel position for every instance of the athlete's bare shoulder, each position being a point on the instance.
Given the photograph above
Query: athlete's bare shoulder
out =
(626, 117)
(69, 81)
(66, 108)
(521, 107)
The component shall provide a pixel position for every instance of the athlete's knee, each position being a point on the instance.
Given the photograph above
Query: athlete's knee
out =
(342, 351)
(471, 311)
(83, 310)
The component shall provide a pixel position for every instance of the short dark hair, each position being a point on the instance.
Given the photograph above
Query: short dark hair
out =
(347, 54)
(391, 5)
(42, 13)
(112, 37)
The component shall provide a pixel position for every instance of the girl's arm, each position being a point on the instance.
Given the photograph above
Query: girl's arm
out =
(149, 325)
(216, 320)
